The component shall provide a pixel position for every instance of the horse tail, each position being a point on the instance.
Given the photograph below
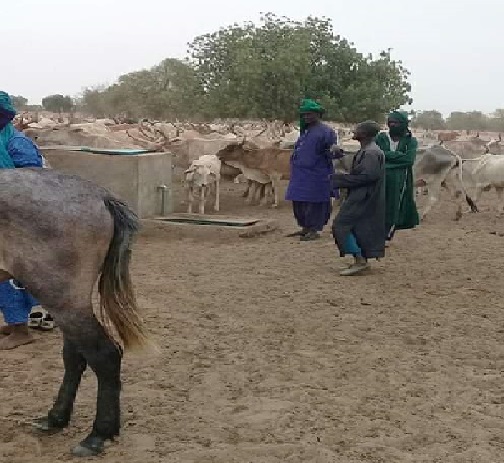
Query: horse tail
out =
(117, 298)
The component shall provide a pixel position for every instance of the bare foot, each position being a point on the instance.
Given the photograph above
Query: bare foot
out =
(15, 339)
(5, 330)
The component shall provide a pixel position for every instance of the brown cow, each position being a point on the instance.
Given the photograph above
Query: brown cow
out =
(272, 162)
(447, 136)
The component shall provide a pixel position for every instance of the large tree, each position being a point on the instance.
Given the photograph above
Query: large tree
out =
(19, 102)
(496, 123)
(168, 90)
(58, 103)
(264, 70)
(430, 120)
(473, 120)
(260, 71)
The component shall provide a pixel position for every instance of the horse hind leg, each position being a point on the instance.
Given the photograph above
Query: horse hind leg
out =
(104, 357)
(86, 343)
(61, 412)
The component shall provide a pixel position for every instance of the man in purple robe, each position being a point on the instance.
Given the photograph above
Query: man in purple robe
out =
(311, 167)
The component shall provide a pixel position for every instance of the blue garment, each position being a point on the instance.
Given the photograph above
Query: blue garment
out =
(312, 216)
(23, 152)
(351, 246)
(16, 150)
(15, 302)
(311, 165)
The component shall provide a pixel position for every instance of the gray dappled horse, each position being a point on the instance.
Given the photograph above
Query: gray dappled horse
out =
(60, 234)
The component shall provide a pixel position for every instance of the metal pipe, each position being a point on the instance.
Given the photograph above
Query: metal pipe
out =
(163, 189)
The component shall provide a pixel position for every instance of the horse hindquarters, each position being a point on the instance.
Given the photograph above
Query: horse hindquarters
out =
(89, 342)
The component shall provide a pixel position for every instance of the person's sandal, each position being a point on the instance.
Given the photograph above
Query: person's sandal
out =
(310, 236)
(35, 319)
(302, 232)
(47, 323)
(354, 269)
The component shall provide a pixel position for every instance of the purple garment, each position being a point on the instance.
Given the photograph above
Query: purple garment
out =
(312, 216)
(311, 165)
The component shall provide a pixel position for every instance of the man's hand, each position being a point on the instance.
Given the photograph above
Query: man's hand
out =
(337, 152)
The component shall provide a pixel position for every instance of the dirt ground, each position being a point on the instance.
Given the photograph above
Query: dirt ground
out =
(268, 355)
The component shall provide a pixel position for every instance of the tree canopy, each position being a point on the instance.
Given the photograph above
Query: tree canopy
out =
(19, 102)
(261, 71)
(458, 120)
(58, 103)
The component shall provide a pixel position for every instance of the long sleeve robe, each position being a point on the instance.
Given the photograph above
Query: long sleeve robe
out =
(363, 211)
(401, 211)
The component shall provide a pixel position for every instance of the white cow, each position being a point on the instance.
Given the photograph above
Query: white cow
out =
(432, 167)
(203, 178)
(484, 173)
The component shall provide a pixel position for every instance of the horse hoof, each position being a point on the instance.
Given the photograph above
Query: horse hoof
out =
(89, 447)
(43, 424)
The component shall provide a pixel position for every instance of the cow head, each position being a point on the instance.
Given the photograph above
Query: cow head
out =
(198, 175)
(232, 152)
(494, 147)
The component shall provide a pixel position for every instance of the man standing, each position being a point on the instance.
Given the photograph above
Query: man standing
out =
(400, 149)
(311, 166)
(359, 227)
(16, 150)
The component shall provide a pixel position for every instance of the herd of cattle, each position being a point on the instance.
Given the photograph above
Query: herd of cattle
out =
(258, 153)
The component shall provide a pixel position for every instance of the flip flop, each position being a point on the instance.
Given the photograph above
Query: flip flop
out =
(47, 323)
(35, 319)
(41, 319)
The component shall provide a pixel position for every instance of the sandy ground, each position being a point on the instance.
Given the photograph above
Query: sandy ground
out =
(267, 355)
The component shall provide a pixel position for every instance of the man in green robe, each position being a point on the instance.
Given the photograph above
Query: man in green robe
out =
(400, 149)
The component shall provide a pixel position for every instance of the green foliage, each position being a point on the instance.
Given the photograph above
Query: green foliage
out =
(261, 71)
(19, 102)
(496, 123)
(458, 120)
(168, 90)
(474, 120)
(58, 103)
(429, 120)
(264, 71)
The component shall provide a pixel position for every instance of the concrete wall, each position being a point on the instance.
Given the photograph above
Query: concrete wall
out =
(133, 178)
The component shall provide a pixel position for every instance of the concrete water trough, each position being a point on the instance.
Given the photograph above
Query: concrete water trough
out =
(141, 179)
(202, 226)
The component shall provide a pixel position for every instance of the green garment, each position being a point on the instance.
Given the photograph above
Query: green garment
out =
(7, 131)
(402, 118)
(400, 207)
(308, 106)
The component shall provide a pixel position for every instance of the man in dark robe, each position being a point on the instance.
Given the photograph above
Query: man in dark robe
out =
(400, 149)
(359, 227)
(311, 166)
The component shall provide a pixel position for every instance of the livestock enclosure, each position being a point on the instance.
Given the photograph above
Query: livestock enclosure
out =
(268, 355)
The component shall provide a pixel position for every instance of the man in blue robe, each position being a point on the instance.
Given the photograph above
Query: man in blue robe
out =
(311, 167)
(16, 150)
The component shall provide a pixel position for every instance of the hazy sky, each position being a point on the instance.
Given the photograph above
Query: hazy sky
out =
(453, 48)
